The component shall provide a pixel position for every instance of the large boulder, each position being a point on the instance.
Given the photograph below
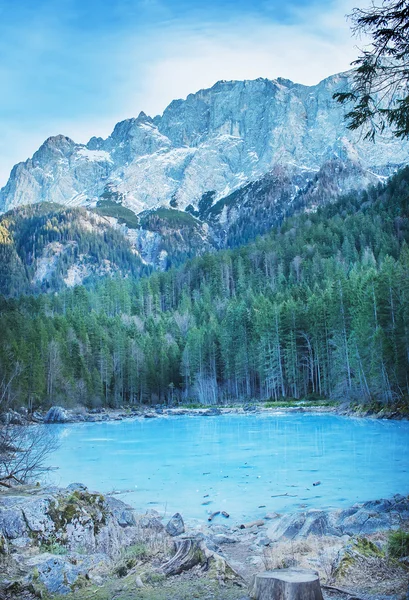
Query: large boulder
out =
(176, 525)
(63, 574)
(56, 414)
(12, 523)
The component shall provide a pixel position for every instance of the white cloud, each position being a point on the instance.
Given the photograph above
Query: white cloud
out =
(317, 45)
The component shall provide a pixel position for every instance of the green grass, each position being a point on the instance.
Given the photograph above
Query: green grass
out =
(131, 556)
(108, 208)
(303, 403)
(398, 544)
(171, 217)
(53, 547)
(175, 588)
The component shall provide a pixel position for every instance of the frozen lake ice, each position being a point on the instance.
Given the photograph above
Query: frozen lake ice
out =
(246, 465)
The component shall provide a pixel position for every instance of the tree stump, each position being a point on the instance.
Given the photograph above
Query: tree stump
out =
(188, 554)
(287, 584)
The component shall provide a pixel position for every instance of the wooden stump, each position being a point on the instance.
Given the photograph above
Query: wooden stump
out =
(287, 584)
(188, 554)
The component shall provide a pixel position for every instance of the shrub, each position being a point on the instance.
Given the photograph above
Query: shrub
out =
(398, 544)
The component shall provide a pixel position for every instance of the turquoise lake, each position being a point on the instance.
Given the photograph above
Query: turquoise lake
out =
(246, 465)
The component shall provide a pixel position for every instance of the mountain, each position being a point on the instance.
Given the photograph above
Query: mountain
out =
(214, 171)
(216, 140)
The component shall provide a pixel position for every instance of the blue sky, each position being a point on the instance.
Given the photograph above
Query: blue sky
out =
(78, 66)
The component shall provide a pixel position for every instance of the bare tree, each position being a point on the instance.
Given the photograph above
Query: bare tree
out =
(6, 384)
(24, 450)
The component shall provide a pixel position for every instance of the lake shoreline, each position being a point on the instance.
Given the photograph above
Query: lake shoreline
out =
(76, 543)
(82, 414)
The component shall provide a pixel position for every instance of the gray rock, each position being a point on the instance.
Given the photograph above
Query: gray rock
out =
(221, 538)
(123, 513)
(271, 515)
(263, 541)
(74, 487)
(37, 417)
(37, 516)
(12, 417)
(56, 414)
(211, 412)
(4, 546)
(12, 522)
(59, 574)
(360, 519)
(215, 528)
(151, 522)
(176, 525)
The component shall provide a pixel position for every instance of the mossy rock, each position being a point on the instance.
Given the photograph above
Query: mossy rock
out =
(4, 550)
(367, 548)
(71, 508)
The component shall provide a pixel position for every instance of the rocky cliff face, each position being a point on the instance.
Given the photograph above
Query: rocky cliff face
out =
(216, 140)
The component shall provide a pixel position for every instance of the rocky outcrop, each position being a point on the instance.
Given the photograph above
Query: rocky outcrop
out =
(64, 539)
(72, 533)
(360, 519)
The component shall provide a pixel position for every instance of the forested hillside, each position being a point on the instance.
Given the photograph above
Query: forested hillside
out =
(319, 306)
(46, 247)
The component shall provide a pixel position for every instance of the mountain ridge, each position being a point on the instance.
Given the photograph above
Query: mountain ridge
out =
(216, 140)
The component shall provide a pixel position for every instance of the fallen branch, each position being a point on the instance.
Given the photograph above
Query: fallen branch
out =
(282, 495)
(213, 515)
(341, 591)
(258, 523)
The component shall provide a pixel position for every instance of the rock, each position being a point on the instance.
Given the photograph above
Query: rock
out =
(221, 539)
(59, 574)
(56, 414)
(250, 408)
(73, 487)
(12, 523)
(4, 546)
(271, 515)
(123, 513)
(37, 417)
(211, 412)
(360, 519)
(151, 522)
(215, 528)
(138, 582)
(263, 541)
(176, 525)
(36, 515)
(13, 418)
(77, 520)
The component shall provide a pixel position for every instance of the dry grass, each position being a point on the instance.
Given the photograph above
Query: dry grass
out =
(343, 563)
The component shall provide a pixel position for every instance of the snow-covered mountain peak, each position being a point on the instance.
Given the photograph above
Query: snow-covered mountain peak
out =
(215, 140)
